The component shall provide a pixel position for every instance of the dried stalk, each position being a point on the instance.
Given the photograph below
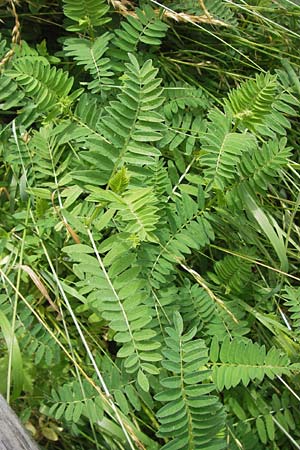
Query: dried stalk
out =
(16, 36)
(126, 7)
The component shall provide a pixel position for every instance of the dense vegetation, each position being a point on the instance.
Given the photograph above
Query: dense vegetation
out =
(149, 197)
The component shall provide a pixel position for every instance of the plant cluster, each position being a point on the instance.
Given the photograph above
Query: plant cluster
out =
(149, 252)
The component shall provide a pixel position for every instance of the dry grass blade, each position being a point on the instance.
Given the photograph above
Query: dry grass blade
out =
(16, 36)
(39, 284)
(126, 8)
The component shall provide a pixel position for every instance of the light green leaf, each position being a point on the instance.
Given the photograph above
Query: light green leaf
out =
(143, 381)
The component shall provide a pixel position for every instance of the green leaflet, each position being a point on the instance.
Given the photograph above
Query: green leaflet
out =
(119, 182)
(10, 95)
(74, 400)
(241, 361)
(184, 111)
(180, 95)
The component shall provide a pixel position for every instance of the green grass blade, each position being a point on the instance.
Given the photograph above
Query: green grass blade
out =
(16, 357)
(267, 228)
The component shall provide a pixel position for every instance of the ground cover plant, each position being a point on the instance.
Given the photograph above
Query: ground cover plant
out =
(149, 197)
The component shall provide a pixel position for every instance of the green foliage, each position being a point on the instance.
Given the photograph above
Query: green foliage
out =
(184, 111)
(259, 169)
(191, 416)
(232, 273)
(119, 182)
(45, 86)
(145, 28)
(182, 96)
(253, 100)
(292, 302)
(149, 237)
(137, 207)
(239, 361)
(223, 149)
(121, 301)
(86, 14)
(73, 400)
(188, 229)
(89, 54)
(10, 96)
(131, 121)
